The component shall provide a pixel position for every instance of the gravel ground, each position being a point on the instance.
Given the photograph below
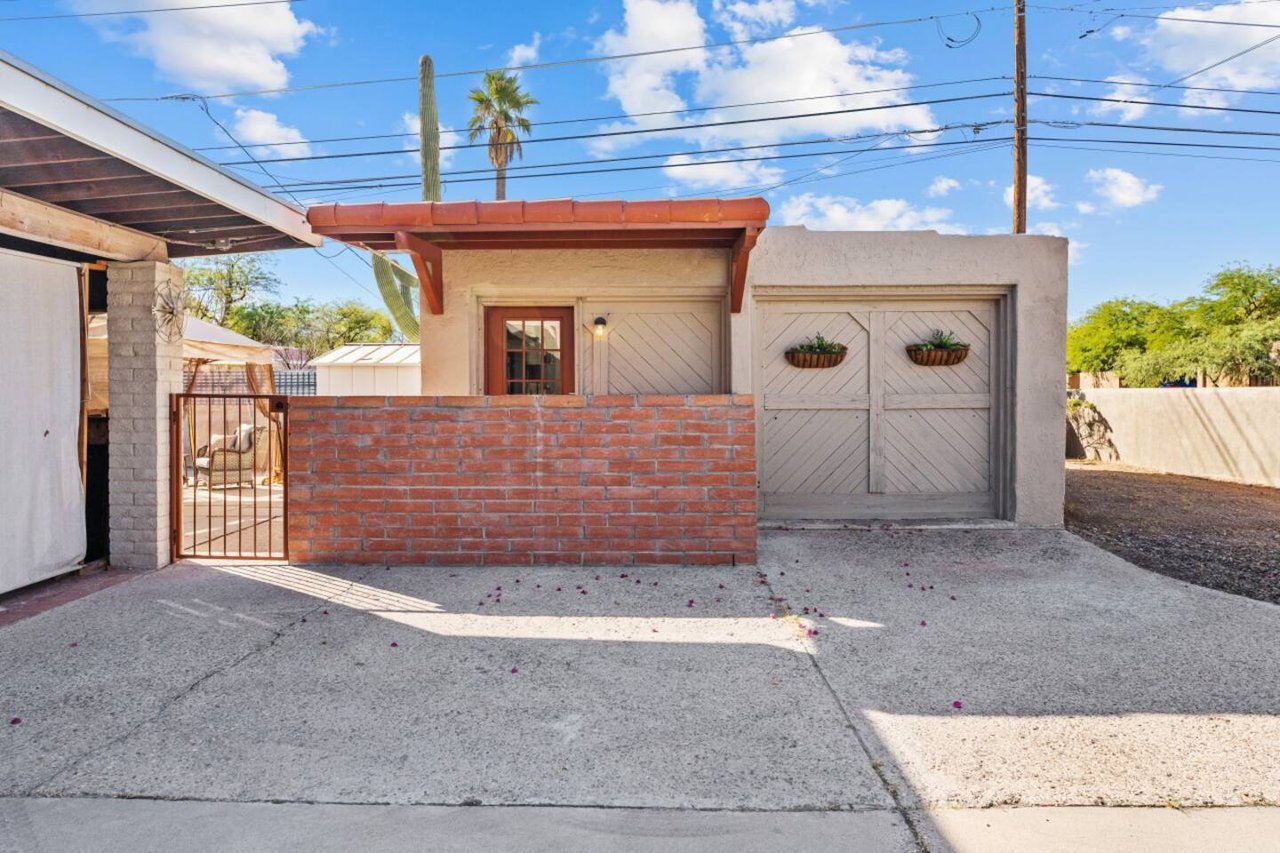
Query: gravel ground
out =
(1223, 536)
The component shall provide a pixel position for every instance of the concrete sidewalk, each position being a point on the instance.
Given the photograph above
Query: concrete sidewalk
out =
(817, 695)
(154, 826)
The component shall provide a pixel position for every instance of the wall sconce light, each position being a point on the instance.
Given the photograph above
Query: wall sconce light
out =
(599, 325)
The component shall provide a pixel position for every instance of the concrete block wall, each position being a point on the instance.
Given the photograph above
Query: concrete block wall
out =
(143, 370)
(603, 480)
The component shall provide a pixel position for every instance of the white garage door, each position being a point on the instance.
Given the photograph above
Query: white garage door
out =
(879, 437)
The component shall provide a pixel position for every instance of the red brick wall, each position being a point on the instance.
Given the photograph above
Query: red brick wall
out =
(616, 480)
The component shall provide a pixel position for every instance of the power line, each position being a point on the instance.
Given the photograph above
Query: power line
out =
(125, 12)
(1211, 145)
(1156, 153)
(1222, 62)
(585, 60)
(1145, 85)
(204, 107)
(640, 130)
(1249, 110)
(395, 181)
(625, 116)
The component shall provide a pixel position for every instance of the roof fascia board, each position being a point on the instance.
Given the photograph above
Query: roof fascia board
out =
(34, 95)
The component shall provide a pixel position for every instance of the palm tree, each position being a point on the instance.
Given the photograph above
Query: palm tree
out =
(499, 110)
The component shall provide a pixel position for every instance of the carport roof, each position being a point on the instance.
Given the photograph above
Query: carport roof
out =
(62, 152)
(423, 229)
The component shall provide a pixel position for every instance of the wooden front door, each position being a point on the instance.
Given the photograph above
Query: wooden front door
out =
(528, 350)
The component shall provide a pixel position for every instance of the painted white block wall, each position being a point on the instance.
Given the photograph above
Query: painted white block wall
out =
(143, 370)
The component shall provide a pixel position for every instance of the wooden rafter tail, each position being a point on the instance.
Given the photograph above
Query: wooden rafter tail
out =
(421, 253)
(738, 265)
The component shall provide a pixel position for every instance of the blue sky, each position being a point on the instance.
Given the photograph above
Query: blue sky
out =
(1142, 223)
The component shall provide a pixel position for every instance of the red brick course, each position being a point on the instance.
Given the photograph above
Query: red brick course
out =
(605, 480)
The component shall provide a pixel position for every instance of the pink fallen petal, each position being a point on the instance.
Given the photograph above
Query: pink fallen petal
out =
(953, 598)
(924, 624)
(583, 591)
(515, 670)
(822, 616)
(395, 645)
(324, 612)
(72, 645)
(558, 589)
(597, 577)
(15, 721)
(958, 705)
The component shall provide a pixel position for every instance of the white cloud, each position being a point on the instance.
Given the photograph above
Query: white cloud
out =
(1053, 229)
(843, 213)
(411, 124)
(1120, 188)
(745, 19)
(941, 186)
(1126, 112)
(817, 64)
(1086, 207)
(525, 54)
(721, 174)
(263, 131)
(211, 50)
(1119, 32)
(1184, 46)
(1039, 194)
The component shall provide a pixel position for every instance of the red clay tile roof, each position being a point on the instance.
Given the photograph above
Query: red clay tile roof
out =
(424, 215)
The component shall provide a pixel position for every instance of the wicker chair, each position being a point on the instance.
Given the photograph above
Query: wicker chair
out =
(225, 467)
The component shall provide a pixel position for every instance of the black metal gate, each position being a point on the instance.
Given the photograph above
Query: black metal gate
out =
(230, 476)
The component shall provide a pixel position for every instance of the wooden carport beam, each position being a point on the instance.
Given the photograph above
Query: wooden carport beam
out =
(738, 267)
(30, 219)
(432, 278)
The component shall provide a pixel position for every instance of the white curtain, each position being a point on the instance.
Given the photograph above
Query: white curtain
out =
(42, 531)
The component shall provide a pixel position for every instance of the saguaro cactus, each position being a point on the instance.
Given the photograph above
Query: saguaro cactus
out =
(429, 129)
(397, 285)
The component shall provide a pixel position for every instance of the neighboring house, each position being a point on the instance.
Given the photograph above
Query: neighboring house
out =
(362, 369)
(92, 208)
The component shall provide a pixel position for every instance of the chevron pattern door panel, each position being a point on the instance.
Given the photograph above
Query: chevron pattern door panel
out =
(655, 349)
(877, 437)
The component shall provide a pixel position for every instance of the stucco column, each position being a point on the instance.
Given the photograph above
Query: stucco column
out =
(144, 357)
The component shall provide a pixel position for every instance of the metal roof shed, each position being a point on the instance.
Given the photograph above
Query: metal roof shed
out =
(370, 369)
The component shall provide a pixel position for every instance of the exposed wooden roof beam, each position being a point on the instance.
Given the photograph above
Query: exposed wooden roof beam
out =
(738, 267)
(31, 219)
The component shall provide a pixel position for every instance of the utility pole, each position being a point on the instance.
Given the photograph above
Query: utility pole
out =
(1020, 117)
(428, 129)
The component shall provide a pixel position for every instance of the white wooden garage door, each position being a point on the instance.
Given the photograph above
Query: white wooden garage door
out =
(879, 437)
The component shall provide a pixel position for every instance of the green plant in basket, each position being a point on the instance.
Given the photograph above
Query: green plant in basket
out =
(819, 344)
(941, 340)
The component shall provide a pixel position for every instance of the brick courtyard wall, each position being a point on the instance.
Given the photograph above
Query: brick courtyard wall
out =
(604, 480)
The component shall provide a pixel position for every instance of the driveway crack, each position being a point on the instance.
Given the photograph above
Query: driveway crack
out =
(783, 610)
(277, 635)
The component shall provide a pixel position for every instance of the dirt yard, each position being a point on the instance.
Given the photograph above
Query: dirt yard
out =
(1220, 535)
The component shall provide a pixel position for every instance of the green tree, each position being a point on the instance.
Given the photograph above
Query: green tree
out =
(1231, 331)
(498, 110)
(215, 285)
(1095, 343)
(314, 328)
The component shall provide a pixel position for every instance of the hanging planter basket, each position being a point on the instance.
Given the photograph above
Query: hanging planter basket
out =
(799, 358)
(937, 357)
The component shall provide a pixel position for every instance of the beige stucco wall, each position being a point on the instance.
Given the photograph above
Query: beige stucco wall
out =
(1032, 268)
(1220, 433)
(615, 283)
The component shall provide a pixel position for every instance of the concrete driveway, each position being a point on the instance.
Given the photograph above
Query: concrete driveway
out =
(709, 696)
